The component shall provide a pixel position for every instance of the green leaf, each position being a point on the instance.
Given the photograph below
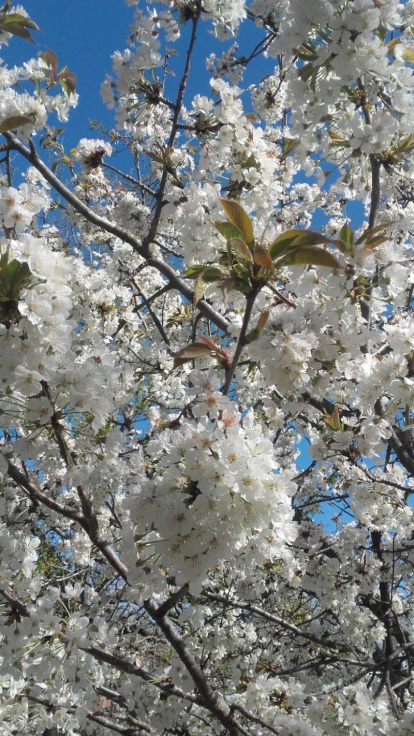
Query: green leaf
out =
(154, 157)
(408, 55)
(228, 230)
(289, 145)
(406, 146)
(20, 278)
(240, 218)
(241, 285)
(13, 122)
(4, 259)
(209, 273)
(13, 277)
(346, 235)
(193, 272)
(294, 238)
(212, 274)
(190, 352)
(305, 55)
(22, 20)
(311, 256)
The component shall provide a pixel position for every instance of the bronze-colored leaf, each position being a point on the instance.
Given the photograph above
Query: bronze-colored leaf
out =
(335, 136)
(210, 344)
(17, 29)
(262, 257)
(240, 218)
(241, 248)
(68, 82)
(50, 59)
(190, 352)
(263, 319)
(373, 243)
(334, 420)
(255, 333)
(373, 230)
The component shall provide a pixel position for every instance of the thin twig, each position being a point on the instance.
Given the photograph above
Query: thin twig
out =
(250, 299)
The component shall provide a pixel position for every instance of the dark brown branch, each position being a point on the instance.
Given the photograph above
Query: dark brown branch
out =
(16, 606)
(212, 700)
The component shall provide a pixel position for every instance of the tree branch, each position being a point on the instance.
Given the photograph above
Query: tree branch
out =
(250, 299)
(102, 222)
(212, 700)
(87, 521)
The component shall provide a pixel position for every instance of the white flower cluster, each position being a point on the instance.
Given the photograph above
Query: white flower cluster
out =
(220, 497)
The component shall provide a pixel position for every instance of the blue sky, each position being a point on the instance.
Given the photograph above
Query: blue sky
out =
(85, 34)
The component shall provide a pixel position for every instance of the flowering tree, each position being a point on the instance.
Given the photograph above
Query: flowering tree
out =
(174, 326)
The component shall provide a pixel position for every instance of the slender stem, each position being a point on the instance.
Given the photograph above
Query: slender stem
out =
(131, 179)
(177, 109)
(375, 169)
(325, 643)
(157, 322)
(8, 169)
(281, 296)
(365, 303)
(250, 299)
(375, 190)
